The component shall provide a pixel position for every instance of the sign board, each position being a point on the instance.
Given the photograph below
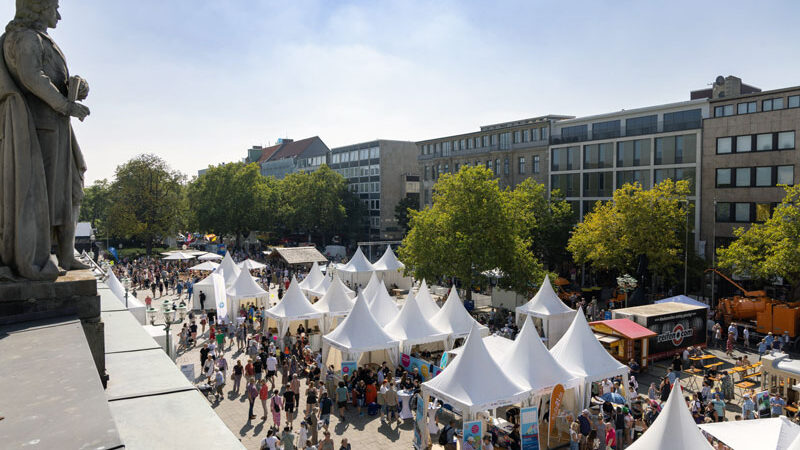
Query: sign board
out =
(555, 405)
(426, 369)
(474, 430)
(676, 331)
(529, 428)
(188, 371)
(349, 368)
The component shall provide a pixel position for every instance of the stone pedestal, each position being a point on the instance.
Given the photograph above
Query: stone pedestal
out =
(71, 295)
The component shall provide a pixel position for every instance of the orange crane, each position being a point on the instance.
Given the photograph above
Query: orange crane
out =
(769, 315)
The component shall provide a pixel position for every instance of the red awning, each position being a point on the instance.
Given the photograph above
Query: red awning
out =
(627, 328)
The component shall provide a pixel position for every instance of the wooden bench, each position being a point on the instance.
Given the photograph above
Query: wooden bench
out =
(716, 364)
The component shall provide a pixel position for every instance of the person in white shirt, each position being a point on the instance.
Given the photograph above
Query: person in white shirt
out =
(746, 336)
(607, 385)
(272, 368)
(271, 441)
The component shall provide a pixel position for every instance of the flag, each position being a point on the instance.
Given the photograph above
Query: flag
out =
(113, 252)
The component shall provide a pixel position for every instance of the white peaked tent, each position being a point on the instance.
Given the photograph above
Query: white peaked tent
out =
(335, 303)
(228, 269)
(372, 287)
(583, 355)
(243, 288)
(529, 363)
(455, 320)
(774, 433)
(357, 271)
(207, 266)
(391, 270)
(428, 307)
(137, 308)
(178, 256)
(294, 306)
(312, 279)
(359, 338)
(795, 445)
(474, 381)
(556, 317)
(382, 305)
(411, 327)
(497, 346)
(249, 264)
(209, 257)
(210, 286)
(673, 429)
(322, 287)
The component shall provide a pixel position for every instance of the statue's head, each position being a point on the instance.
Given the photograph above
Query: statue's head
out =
(36, 14)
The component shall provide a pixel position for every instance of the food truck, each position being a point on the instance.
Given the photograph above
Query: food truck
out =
(676, 325)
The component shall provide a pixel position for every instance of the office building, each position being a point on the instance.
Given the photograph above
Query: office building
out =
(289, 156)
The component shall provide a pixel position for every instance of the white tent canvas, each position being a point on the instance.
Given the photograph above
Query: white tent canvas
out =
(391, 270)
(335, 303)
(206, 266)
(137, 308)
(474, 381)
(428, 307)
(229, 270)
(583, 355)
(529, 363)
(313, 278)
(372, 287)
(293, 306)
(382, 305)
(208, 285)
(359, 333)
(673, 429)
(555, 315)
(411, 327)
(795, 445)
(246, 287)
(209, 257)
(357, 271)
(774, 433)
(454, 319)
(497, 346)
(249, 264)
(178, 256)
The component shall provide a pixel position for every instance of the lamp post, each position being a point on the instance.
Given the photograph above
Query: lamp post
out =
(172, 315)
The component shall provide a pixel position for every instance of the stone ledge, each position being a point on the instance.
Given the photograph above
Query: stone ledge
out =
(72, 294)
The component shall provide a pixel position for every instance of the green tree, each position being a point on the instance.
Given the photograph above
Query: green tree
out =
(469, 229)
(770, 249)
(401, 210)
(636, 222)
(544, 222)
(313, 203)
(146, 198)
(96, 205)
(234, 199)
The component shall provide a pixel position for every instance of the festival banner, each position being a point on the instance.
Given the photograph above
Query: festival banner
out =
(555, 407)
(349, 367)
(443, 361)
(475, 430)
(529, 430)
(426, 369)
(221, 297)
(421, 434)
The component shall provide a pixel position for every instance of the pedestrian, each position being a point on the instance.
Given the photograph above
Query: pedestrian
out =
(327, 442)
(729, 345)
(748, 408)
(238, 371)
(263, 394)
(289, 405)
(311, 398)
(447, 437)
(252, 394)
(346, 445)
(271, 441)
(276, 403)
(302, 435)
(717, 329)
(272, 368)
(287, 439)
(776, 405)
(312, 421)
(202, 300)
(574, 436)
(746, 337)
(325, 406)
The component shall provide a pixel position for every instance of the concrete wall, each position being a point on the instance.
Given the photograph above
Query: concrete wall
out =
(398, 159)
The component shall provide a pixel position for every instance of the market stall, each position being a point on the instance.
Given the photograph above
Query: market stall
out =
(359, 338)
(583, 355)
(550, 314)
(244, 288)
(206, 266)
(357, 271)
(455, 320)
(781, 373)
(674, 428)
(294, 307)
(676, 325)
(210, 286)
(249, 264)
(371, 289)
(382, 305)
(334, 304)
(411, 328)
(497, 346)
(773, 433)
(425, 300)
(391, 271)
(624, 339)
(311, 280)
(228, 269)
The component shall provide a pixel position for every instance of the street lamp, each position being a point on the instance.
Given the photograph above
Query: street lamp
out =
(172, 315)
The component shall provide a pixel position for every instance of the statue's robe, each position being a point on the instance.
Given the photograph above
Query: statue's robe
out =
(41, 165)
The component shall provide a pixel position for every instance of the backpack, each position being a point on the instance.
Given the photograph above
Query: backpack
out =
(443, 435)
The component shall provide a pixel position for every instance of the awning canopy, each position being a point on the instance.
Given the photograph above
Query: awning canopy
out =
(178, 256)
(294, 305)
(626, 328)
(372, 287)
(682, 299)
(774, 433)
(673, 429)
(497, 346)
(209, 257)
(298, 255)
(249, 264)
(335, 302)
(228, 269)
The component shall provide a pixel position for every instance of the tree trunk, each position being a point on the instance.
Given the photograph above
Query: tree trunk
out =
(469, 290)
(149, 247)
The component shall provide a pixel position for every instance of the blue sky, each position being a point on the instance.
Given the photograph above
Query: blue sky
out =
(198, 82)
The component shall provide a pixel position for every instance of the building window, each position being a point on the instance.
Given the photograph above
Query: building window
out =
(764, 142)
(486, 140)
(535, 134)
(746, 108)
(605, 130)
(723, 212)
(517, 137)
(496, 167)
(743, 177)
(676, 149)
(494, 139)
(742, 212)
(536, 164)
(526, 135)
(722, 111)
(505, 141)
(544, 133)
(683, 120)
(641, 125)
(794, 101)
(785, 175)
(724, 145)
(679, 174)
(724, 178)
(457, 167)
(566, 158)
(505, 166)
(489, 165)
(763, 176)
(427, 172)
(744, 144)
(575, 133)
(521, 165)
(631, 176)
(786, 140)
(569, 184)
(633, 153)
(598, 156)
(772, 104)
(763, 211)
(597, 184)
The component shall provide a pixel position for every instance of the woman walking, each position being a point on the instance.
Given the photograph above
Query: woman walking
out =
(276, 405)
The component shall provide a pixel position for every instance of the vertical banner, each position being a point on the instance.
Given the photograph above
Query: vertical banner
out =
(473, 430)
(555, 407)
(220, 297)
(529, 428)
(348, 368)
(421, 434)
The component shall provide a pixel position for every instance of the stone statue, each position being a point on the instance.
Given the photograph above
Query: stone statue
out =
(41, 165)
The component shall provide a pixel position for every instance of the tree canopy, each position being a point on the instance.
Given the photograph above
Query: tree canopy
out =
(637, 221)
(770, 249)
(313, 202)
(409, 202)
(95, 206)
(470, 229)
(147, 200)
